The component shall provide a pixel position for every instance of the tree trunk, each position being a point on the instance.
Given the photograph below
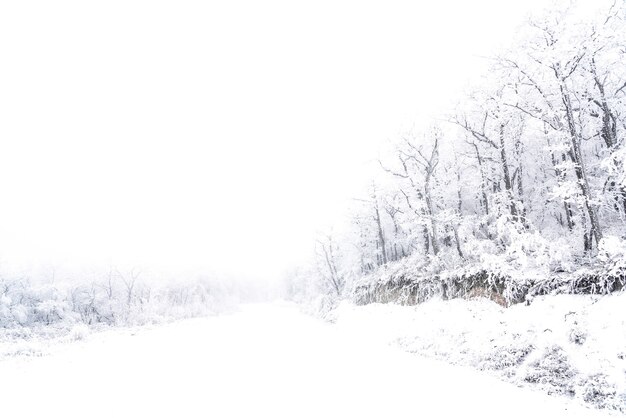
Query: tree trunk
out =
(431, 215)
(577, 158)
(609, 129)
(485, 201)
(508, 184)
(381, 235)
(560, 175)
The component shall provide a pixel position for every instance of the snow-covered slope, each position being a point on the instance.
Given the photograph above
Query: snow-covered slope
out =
(570, 345)
(266, 361)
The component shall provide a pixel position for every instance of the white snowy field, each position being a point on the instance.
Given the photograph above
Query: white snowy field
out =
(266, 360)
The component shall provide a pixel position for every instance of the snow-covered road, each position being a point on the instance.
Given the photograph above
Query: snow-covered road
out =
(264, 361)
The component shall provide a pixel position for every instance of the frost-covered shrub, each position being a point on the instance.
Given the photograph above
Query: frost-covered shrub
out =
(79, 332)
(578, 335)
(612, 255)
(311, 291)
(595, 389)
(48, 311)
(110, 302)
(505, 357)
(552, 370)
(528, 256)
(322, 305)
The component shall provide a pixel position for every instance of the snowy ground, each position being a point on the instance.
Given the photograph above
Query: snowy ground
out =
(266, 360)
(566, 345)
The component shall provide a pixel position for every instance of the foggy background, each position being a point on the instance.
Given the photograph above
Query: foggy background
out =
(180, 137)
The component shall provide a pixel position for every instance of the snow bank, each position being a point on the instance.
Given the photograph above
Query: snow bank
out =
(502, 280)
(570, 345)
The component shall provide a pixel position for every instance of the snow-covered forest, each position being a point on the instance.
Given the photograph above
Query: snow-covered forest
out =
(520, 189)
(338, 209)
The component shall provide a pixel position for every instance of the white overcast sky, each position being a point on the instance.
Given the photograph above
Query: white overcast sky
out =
(212, 134)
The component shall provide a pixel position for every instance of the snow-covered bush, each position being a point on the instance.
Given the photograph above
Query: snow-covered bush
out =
(311, 291)
(552, 371)
(598, 391)
(79, 332)
(612, 255)
(68, 307)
